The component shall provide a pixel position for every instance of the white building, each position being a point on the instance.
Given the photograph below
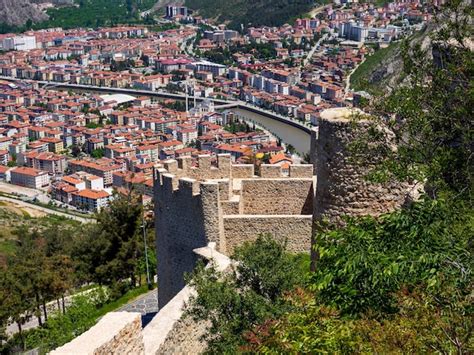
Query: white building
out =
(214, 68)
(19, 43)
(91, 200)
(29, 177)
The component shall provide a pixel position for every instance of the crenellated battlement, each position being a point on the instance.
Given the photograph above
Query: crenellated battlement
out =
(205, 202)
(223, 169)
(203, 169)
(213, 200)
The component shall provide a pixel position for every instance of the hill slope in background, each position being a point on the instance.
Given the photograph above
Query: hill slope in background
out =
(85, 13)
(382, 70)
(18, 12)
(255, 13)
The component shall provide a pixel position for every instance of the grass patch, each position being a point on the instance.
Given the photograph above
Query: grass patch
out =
(7, 247)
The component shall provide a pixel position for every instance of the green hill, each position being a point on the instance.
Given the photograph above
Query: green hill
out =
(256, 13)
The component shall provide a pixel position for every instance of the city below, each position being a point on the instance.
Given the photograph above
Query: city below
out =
(76, 146)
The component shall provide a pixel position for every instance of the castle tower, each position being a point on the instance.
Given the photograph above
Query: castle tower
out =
(341, 187)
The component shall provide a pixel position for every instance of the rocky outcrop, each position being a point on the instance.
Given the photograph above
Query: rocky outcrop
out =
(18, 12)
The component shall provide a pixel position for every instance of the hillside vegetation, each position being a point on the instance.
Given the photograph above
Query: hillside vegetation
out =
(384, 68)
(252, 13)
(84, 13)
(378, 69)
(95, 13)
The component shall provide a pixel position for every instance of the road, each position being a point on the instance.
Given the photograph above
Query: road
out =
(311, 52)
(146, 304)
(318, 10)
(105, 89)
(46, 210)
(348, 79)
(31, 194)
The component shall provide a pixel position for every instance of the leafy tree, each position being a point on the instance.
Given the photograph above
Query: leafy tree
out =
(111, 249)
(364, 264)
(98, 153)
(14, 303)
(429, 117)
(237, 301)
(76, 151)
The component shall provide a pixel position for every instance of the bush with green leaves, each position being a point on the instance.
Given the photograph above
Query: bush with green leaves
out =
(236, 301)
(400, 283)
(361, 266)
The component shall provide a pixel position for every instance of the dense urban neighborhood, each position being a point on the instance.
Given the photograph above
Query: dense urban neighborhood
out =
(79, 146)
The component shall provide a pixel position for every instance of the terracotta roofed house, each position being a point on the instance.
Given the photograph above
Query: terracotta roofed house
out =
(29, 177)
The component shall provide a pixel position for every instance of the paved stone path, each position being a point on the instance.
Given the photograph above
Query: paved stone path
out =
(147, 305)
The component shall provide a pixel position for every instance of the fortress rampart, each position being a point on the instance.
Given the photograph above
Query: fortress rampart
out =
(226, 204)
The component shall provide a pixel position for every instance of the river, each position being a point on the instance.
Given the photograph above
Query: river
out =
(290, 135)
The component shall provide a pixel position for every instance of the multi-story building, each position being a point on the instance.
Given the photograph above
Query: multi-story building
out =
(104, 171)
(91, 200)
(19, 43)
(29, 177)
(173, 11)
(4, 157)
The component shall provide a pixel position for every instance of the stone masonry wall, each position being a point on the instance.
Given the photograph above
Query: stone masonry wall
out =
(192, 199)
(187, 217)
(116, 333)
(277, 196)
(185, 338)
(341, 187)
(296, 230)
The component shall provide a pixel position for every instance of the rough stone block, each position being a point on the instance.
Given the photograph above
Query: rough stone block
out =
(270, 171)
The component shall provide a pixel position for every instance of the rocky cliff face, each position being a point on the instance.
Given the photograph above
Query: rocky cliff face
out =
(17, 12)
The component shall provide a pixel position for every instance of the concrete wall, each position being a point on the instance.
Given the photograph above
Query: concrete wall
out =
(296, 230)
(276, 196)
(116, 333)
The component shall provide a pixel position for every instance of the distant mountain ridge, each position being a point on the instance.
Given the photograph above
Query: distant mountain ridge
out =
(255, 12)
(18, 12)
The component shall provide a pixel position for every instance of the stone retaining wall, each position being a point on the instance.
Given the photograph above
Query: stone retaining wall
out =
(116, 333)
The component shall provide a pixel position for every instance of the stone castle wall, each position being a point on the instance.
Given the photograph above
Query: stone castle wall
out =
(342, 187)
(276, 196)
(225, 204)
(187, 217)
(228, 205)
(295, 230)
